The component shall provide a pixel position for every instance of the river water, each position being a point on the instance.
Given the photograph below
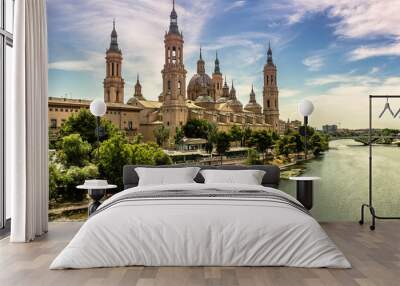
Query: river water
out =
(344, 181)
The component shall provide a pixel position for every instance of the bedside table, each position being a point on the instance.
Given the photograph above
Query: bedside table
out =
(304, 190)
(96, 193)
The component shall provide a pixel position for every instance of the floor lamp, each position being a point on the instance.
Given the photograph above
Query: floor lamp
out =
(305, 109)
(98, 108)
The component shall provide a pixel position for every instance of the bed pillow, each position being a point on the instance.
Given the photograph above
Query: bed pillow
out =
(247, 177)
(166, 176)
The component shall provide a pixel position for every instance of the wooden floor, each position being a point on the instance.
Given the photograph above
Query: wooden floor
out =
(375, 257)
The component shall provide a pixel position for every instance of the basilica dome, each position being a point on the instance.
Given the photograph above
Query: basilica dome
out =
(199, 81)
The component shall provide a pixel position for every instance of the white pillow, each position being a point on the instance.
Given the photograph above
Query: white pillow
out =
(166, 176)
(247, 177)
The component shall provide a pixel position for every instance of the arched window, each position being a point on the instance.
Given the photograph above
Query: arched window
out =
(267, 80)
(169, 85)
(112, 69)
(117, 96)
(179, 87)
(272, 79)
(173, 55)
(268, 104)
(168, 55)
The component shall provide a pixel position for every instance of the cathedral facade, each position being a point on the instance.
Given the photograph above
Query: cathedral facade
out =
(204, 97)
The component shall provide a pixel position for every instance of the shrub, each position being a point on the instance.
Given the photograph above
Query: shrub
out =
(253, 157)
(74, 151)
(63, 182)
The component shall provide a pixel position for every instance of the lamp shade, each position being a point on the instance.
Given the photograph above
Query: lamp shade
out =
(306, 107)
(98, 107)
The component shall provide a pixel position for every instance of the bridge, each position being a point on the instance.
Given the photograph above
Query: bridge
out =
(365, 139)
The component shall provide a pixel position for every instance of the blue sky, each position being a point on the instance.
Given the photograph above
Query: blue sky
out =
(332, 52)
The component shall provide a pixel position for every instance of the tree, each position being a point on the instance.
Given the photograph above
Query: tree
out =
(162, 134)
(114, 153)
(236, 134)
(299, 142)
(318, 144)
(137, 139)
(148, 154)
(74, 151)
(253, 157)
(223, 143)
(179, 135)
(84, 124)
(262, 141)
(197, 128)
(285, 145)
(247, 133)
(274, 136)
(211, 137)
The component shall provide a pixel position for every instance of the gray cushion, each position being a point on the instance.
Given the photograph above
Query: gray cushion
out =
(270, 179)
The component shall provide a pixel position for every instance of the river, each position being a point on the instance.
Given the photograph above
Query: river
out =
(344, 185)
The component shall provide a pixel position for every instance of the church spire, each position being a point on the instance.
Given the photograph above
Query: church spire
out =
(173, 25)
(201, 64)
(114, 40)
(138, 89)
(269, 54)
(252, 95)
(232, 93)
(216, 68)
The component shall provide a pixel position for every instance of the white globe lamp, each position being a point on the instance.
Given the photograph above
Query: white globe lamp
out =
(98, 108)
(306, 107)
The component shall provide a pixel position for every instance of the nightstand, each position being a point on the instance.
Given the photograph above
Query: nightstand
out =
(304, 190)
(96, 193)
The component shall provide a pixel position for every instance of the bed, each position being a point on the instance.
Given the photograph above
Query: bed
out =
(201, 224)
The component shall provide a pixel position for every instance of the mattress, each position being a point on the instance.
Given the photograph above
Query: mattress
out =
(201, 225)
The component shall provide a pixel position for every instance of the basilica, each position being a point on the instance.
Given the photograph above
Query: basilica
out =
(203, 97)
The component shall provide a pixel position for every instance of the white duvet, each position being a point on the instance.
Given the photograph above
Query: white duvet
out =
(200, 231)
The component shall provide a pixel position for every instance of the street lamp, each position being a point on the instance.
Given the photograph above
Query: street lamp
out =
(305, 109)
(98, 108)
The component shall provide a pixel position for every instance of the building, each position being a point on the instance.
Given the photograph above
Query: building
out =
(330, 129)
(205, 97)
(284, 126)
(124, 116)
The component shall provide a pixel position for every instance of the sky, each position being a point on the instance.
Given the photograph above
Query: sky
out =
(332, 52)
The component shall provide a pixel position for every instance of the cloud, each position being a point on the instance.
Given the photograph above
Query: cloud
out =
(234, 5)
(355, 19)
(84, 28)
(375, 51)
(375, 70)
(345, 78)
(344, 99)
(314, 63)
(287, 92)
(72, 66)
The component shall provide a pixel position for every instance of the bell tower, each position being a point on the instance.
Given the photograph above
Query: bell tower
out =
(270, 93)
(114, 83)
(217, 79)
(174, 109)
(138, 90)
